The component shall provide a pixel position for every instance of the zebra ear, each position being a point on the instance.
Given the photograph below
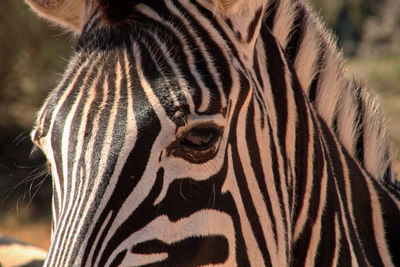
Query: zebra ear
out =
(68, 13)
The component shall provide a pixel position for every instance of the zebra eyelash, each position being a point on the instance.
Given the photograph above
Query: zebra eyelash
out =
(185, 145)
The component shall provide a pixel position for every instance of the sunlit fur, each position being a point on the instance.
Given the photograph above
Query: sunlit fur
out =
(68, 13)
(18, 254)
(297, 179)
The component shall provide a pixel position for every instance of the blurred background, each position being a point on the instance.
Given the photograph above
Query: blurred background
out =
(33, 55)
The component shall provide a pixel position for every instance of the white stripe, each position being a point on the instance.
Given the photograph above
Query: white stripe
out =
(317, 227)
(145, 184)
(47, 148)
(378, 224)
(215, 74)
(70, 179)
(199, 224)
(187, 54)
(306, 62)
(303, 214)
(254, 254)
(283, 22)
(256, 195)
(337, 242)
(75, 193)
(129, 142)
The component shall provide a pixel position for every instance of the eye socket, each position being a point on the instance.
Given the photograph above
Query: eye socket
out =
(198, 145)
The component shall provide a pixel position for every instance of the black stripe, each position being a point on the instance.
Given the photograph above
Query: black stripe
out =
(192, 251)
(56, 139)
(318, 163)
(325, 252)
(140, 217)
(165, 80)
(313, 87)
(344, 253)
(270, 13)
(364, 249)
(258, 90)
(116, 141)
(148, 126)
(156, 79)
(229, 23)
(253, 25)
(245, 192)
(296, 34)
(301, 147)
(391, 218)
(119, 258)
(58, 126)
(256, 164)
(260, 102)
(177, 49)
(257, 70)
(276, 71)
(186, 196)
(173, 42)
(71, 158)
(359, 148)
(362, 210)
(211, 18)
(48, 109)
(216, 55)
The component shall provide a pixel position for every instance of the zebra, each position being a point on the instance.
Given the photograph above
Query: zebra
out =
(213, 132)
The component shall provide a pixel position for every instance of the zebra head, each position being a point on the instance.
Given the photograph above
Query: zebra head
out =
(201, 132)
(152, 132)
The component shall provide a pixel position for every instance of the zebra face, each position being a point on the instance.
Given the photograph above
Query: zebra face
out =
(143, 135)
(182, 135)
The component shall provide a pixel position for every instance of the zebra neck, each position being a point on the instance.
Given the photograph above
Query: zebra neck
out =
(342, 102)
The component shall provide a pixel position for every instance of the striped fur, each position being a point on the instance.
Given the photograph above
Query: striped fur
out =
(343, 102)
(289, 182)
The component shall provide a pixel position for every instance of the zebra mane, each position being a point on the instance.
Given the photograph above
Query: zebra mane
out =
(343, 102)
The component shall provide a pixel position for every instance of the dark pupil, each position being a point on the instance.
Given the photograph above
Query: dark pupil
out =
(199, 139)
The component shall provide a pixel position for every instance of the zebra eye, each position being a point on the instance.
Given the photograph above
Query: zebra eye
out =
(198, 145)
(200, 139)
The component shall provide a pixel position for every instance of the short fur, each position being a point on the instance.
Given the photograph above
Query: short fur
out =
(338, 97)
(67, 13)
(288, 181)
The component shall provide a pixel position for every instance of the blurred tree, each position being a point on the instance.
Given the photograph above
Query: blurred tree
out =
(347, 18)
(381, 33)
